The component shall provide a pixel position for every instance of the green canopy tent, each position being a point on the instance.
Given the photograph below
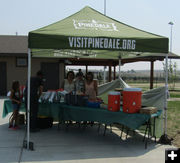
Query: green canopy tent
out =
(90, 30)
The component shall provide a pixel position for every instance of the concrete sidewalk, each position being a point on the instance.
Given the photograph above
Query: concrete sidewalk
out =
(76, 145)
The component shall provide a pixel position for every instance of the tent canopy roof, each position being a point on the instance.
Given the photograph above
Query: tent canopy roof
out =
(102, 57)
(89, 29)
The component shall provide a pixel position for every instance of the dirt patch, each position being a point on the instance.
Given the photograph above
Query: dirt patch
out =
(174, 99)
(176, 141)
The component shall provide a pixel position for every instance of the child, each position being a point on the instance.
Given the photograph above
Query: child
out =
(15, 98)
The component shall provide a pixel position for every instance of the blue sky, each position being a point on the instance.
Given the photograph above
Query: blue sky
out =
(153, 16)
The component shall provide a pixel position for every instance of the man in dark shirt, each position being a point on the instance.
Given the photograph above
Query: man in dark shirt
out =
(36, 88)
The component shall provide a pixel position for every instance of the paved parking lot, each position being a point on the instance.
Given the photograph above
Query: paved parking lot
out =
(76, 145)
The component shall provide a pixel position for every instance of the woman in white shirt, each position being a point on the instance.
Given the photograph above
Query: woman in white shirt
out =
(68, 84)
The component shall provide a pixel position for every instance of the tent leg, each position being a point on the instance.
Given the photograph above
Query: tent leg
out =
(28, 144)
(164, 138)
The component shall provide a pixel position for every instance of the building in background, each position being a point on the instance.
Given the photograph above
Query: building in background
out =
(14, 64)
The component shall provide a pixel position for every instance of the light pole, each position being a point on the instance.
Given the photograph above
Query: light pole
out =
(171, 23)
(104, 7)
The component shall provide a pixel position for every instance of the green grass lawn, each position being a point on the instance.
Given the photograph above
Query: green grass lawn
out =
(173, 117)
(174, 94)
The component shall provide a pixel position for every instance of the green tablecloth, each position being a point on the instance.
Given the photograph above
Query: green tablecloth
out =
(60, 111)
(7, 108)
(133, 121)
(45, 109)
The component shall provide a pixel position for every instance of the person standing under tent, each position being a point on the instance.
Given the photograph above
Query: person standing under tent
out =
(68, 84)
(16, 102)
(91, 86)
(79, 83)
(36, 88)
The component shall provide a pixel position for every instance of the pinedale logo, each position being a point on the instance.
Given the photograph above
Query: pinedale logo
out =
(94, 25)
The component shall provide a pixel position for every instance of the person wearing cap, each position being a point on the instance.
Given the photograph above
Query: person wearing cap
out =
(36, 89)
(79, 83)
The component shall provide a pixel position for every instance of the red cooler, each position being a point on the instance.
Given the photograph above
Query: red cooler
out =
(114, 101)
(132, 100)
(22, 87)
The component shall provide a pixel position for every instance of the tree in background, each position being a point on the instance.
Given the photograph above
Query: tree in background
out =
(172, 74)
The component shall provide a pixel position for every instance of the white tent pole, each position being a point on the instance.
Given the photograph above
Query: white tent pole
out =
(28, 98)
(166, 96)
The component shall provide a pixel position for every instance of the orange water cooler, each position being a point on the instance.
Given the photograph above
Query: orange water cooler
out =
(114, 101)
(131, 100)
